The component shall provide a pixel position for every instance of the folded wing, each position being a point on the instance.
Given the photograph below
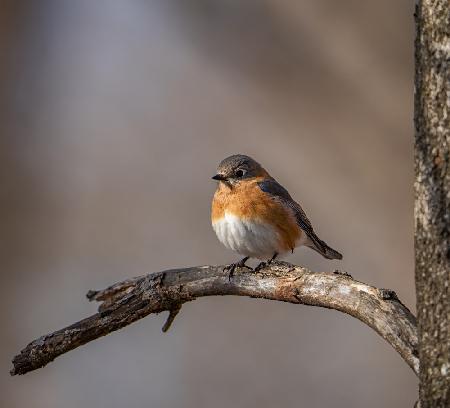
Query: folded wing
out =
(278, 192)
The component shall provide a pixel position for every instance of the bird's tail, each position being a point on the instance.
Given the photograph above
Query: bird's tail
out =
(323, 249)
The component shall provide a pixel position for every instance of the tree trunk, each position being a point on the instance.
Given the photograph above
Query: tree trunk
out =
(432, 199)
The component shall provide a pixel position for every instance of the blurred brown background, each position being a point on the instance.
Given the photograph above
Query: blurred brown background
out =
(113, 117)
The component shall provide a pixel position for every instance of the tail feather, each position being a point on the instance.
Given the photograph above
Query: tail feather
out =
(323, 249)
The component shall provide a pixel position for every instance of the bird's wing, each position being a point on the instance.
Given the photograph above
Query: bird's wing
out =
(278, 192)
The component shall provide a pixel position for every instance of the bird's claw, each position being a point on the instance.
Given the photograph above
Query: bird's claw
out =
(232, 267)
(260, 266)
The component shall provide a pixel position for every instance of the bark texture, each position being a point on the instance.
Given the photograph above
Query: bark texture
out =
(133, 299)
(432, 199)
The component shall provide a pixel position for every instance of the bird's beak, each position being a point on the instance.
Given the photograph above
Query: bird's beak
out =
(219, 177)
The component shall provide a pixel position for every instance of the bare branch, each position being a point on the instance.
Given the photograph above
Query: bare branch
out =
(130, 300)
(172, 314)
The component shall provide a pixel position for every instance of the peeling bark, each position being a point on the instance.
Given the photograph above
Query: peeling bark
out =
(133, 299)
(432, 199)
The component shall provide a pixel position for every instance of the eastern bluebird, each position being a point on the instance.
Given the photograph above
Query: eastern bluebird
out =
(255, 216)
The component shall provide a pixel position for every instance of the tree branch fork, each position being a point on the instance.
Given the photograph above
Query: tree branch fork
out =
(130, 300)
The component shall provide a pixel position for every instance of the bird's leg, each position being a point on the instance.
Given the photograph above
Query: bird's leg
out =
(264, 264)
(233, 266)
(273, 258)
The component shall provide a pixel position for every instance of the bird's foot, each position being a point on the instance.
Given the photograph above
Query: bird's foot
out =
(232, 267)
(264, 264)
(260, 266)
(273, 258)
(343, 273)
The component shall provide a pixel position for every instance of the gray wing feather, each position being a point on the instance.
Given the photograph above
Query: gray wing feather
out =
(277, 191)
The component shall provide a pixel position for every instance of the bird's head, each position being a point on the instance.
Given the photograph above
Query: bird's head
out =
(238, 167)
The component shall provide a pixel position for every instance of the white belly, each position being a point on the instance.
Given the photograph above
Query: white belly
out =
(248, 238)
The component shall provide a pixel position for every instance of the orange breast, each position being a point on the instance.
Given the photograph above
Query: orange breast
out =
(246, 200)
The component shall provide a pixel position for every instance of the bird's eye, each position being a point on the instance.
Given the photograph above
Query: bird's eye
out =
(240, 173)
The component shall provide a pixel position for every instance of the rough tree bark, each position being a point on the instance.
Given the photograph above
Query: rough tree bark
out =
(432, 199)
(133, 299)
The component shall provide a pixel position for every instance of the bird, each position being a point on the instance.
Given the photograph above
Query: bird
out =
(255, 216)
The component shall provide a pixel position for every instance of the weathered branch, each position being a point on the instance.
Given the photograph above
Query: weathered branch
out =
(133, 299)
